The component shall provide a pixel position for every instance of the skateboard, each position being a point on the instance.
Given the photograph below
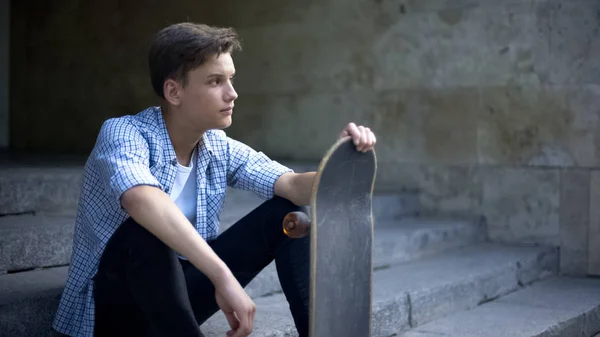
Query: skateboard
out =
(341, 234)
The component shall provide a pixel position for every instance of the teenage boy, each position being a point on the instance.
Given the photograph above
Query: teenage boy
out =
(148, 259)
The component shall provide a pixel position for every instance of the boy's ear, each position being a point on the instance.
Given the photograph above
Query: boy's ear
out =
(172, 91)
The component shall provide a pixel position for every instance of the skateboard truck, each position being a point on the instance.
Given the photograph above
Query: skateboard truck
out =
(296, 224)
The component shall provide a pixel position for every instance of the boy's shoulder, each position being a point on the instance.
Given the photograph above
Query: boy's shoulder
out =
(147, 125)
(147, 119)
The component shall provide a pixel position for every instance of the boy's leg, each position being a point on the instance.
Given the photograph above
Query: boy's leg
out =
(249, 246)
(140, 288)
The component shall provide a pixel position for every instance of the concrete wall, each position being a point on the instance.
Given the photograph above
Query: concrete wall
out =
(4, 71)
(482, 106)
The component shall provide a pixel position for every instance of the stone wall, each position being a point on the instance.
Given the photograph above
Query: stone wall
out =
(487, 107)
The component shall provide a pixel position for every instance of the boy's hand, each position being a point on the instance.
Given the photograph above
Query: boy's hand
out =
(237, 306)
(362, 136)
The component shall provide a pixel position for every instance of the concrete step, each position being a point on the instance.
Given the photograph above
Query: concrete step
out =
(32, 241)
(28, 301)
(396, 242)
(556, 307)
(386, 206)
(412, 238)
(38, 189)
(415, 293)
(405, 295)
(43, 239)
(55, 188)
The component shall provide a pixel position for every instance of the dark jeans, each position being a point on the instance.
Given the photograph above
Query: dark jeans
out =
(143, 289)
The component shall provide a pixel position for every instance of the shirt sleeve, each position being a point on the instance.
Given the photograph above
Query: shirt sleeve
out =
(251, 170)
(123, 158)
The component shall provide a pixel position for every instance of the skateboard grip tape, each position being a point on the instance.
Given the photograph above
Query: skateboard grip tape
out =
(296, 225)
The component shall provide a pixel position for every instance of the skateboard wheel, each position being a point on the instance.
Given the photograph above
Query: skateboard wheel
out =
(296, 225)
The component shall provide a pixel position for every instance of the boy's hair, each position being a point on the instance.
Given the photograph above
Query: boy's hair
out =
(182, 47)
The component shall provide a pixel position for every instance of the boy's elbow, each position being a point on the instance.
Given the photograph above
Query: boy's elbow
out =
(135, 197)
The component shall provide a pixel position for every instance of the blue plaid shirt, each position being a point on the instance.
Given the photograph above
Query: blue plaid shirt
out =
(136, 150)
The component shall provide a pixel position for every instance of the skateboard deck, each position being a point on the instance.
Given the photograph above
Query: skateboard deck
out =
(341, 258)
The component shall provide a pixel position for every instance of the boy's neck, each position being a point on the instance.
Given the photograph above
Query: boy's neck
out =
(183, 138)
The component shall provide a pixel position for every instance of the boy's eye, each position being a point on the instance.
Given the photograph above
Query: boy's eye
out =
(219, 81)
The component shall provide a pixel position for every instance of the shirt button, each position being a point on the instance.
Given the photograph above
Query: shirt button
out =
(174, 162)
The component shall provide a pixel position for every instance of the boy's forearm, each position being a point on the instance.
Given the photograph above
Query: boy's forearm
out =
(154, 210)
(296, 187)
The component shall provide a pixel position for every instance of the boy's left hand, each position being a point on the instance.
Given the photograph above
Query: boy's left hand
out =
(362, 136)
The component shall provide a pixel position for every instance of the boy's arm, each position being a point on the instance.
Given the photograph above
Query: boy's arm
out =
(154, 210)
(297, 187)
(123, 158)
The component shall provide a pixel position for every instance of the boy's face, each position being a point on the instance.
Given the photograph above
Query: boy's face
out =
(206, 102)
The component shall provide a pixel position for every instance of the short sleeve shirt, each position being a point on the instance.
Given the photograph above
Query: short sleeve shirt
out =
(136, 150)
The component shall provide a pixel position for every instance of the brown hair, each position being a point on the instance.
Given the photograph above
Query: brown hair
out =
(182, 47)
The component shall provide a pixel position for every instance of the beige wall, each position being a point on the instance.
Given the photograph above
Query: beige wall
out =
(481, 106)
(498, 84)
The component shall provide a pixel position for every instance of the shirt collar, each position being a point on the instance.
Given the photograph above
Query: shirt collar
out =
(169, 150)
(206, 143)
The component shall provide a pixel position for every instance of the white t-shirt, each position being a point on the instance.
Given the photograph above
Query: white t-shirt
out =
(184, 191)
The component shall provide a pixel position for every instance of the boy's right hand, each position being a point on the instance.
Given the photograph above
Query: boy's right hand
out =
(237, 306)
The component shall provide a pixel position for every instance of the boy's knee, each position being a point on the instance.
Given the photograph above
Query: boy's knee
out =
(284, 206)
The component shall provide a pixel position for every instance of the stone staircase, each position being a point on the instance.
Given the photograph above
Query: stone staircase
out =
(434, 276)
